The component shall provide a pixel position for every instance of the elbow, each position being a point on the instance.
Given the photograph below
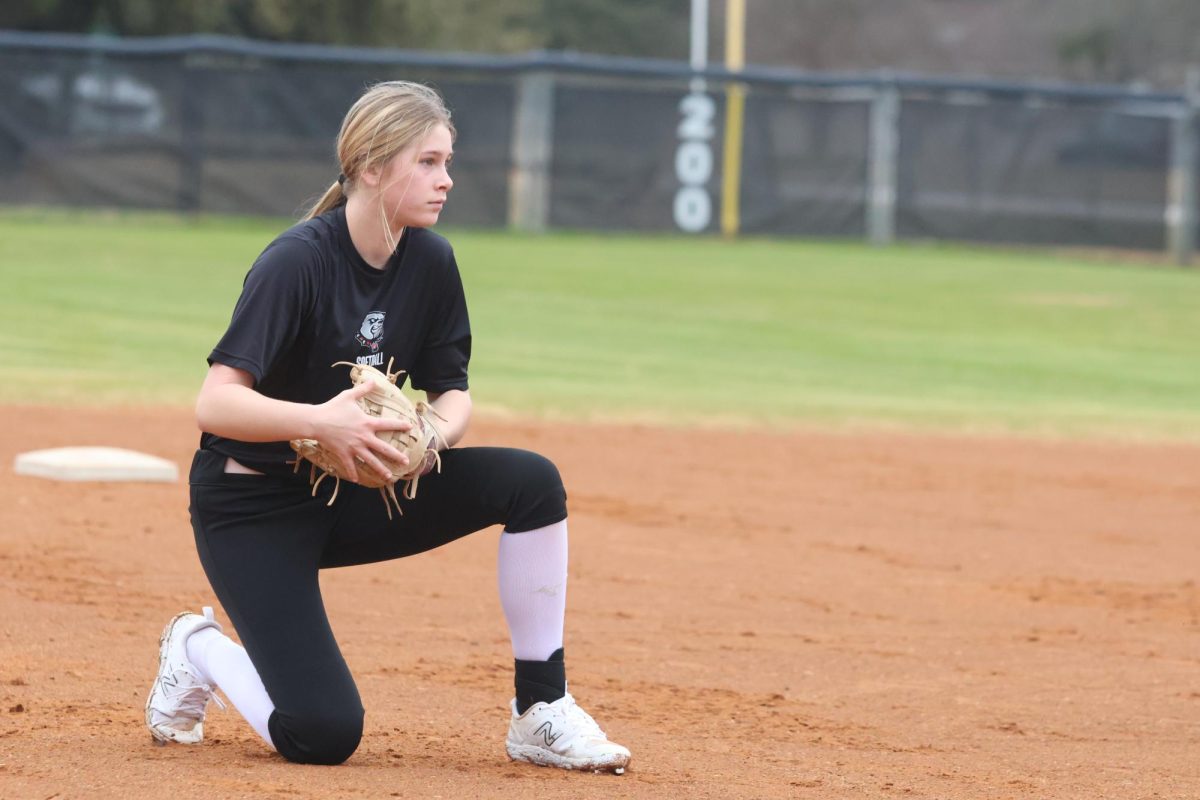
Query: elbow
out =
(202, 413)
(208, 409)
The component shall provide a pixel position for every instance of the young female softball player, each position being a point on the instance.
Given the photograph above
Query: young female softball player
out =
(360, 280)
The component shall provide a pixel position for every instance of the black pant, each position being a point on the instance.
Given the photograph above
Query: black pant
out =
(262, 540)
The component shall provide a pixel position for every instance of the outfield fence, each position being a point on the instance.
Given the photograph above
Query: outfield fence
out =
(553, 140)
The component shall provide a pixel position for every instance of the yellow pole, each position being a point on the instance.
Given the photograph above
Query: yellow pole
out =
(735, 34)
(735, 109)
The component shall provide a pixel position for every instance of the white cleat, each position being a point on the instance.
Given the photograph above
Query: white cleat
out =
(561, 734)
(177, 702)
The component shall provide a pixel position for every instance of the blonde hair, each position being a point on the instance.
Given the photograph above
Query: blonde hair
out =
(389, 117)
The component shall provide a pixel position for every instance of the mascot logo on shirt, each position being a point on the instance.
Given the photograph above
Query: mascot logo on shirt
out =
(370, 333)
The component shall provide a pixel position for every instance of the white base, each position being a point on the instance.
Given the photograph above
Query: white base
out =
(95, 464)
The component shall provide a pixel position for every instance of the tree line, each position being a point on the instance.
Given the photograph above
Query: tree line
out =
(620, 27)
(1123, 41)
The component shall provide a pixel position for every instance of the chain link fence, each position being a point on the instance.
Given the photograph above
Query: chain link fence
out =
(208, 124)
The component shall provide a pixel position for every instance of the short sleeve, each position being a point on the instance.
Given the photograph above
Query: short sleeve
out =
(276, 297)
(442, 363)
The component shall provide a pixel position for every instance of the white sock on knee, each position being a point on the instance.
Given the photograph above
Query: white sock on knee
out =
(532, 570)
(224, 663)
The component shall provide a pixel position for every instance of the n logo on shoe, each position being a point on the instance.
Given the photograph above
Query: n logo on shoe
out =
(546, 729)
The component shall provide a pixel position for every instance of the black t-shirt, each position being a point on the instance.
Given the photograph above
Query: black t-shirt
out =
(310, 300)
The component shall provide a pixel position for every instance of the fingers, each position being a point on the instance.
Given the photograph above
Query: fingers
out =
(378, 457)
(357, 464)
(384, 450)
(359, 390)
(374, 455)
(375, 465)
(349, 468)
(391, 424)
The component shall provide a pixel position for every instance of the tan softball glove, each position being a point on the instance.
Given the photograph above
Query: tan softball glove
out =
(420, 443)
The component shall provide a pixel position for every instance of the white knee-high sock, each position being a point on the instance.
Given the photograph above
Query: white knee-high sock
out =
(532, 570)
(224, 663)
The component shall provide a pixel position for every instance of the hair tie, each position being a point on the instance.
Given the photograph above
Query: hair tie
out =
(342, 179)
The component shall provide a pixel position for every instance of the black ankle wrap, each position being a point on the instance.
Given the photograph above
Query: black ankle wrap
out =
(540, 681)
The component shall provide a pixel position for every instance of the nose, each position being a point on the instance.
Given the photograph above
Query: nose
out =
(446, 182)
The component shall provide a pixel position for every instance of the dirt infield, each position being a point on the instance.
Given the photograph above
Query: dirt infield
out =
(754, 615)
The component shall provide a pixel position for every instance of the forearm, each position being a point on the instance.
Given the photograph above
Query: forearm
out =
(239, 412)
(454, 414)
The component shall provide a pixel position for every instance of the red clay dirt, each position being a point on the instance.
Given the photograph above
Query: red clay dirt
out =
(763, 615)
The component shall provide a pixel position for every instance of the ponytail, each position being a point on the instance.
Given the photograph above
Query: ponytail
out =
(334, 196)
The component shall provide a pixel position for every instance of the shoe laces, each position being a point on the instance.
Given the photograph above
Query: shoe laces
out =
(190, 695)
(583, 722)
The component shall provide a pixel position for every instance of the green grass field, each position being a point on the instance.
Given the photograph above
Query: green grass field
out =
(121, 308)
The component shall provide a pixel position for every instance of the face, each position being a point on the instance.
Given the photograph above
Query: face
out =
(413, 185)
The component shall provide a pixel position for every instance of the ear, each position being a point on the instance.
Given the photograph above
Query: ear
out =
(370, 176)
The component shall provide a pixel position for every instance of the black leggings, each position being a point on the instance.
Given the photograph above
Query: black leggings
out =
(262, 540)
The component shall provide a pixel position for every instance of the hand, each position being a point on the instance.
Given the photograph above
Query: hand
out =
(348, 433)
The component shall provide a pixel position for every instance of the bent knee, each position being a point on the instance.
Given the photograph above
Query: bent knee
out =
(316, 738)
(539, 498)
(539, 474)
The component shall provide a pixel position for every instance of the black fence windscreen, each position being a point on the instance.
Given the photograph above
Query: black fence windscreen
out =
(229, 134)
(1014, 172)
(804, 166)
(238, 127)
(613, 161)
